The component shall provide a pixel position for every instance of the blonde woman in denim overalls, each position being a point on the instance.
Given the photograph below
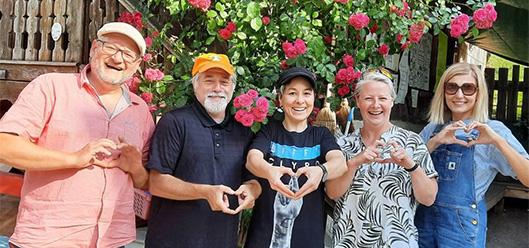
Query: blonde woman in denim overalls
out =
(468, 150)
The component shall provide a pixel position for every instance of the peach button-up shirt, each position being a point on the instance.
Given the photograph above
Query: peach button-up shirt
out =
(89, 207)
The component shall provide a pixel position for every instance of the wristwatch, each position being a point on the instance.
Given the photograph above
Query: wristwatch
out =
(325, 173)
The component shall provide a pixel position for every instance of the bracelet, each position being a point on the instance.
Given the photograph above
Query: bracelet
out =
(415, 166)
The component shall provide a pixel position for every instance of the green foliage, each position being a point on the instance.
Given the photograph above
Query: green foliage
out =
(255, 47)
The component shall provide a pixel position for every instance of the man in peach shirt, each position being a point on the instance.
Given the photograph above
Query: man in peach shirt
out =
(82, 140)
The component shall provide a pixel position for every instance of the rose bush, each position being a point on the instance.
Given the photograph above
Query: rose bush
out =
(337, 39)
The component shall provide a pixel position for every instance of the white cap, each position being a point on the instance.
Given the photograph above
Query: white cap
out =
(125, 29)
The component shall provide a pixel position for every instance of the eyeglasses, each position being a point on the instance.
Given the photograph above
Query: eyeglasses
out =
(110, 49)
(468, 89)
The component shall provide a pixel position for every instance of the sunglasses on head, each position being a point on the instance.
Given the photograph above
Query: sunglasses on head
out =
(468, 89)
(380, 70)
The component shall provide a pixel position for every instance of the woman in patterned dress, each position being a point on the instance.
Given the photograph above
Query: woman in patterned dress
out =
(389, 171)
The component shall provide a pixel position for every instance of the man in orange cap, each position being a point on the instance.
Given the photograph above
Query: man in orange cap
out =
(197, 174)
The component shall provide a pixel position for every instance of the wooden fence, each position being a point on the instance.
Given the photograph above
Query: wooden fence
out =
(505, 103)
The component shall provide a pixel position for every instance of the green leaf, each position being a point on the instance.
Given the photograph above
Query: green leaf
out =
(211, 13)
(219, 6)
(256, 23)
(240, 70)
(223, 14)
(241, 35)
(331, 67)
(475, 32)
(253, 10)
(317, 23)
(210, 40)
(255, 127)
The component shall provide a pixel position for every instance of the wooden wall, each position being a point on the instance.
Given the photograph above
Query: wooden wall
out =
(26, 45)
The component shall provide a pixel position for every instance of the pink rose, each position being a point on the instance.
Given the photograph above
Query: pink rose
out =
(416, 30)
(289, 50)
(244, 100)
(359, 20)
(262, 104)
(348, 60)
(148, 41)
(258, 114)
(341, 76)
(147, 57)
(341, 1)
(147, 97)
(200, 4)
(244, 117)
(485, 16)
(133, 84)
(153, 74)
(344, 90)
(265, 20)
(224, 33)
(383, 50)
(459, 25)
(405, 45)
(300, 46)
(252, 93)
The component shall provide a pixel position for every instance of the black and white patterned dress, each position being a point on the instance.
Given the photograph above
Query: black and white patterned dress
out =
(378, 208)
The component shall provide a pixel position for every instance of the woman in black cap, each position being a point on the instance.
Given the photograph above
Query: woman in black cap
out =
(292, 160)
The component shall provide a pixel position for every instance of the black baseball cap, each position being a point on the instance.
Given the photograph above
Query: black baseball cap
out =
(289, 74)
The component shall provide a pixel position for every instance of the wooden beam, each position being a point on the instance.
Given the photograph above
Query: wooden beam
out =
(29, 70)
(9, 90)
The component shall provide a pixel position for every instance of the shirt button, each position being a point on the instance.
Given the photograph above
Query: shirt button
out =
(473, 206)
(474, 222)
(218, 145)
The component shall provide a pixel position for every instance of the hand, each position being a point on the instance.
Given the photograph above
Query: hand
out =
(314, 175)
(95, 153)
(448, 136)
(399, 156)
(247, 193)
(129, 158)
(218, 200)
(274, 179)
(370, 154)
(486, 134)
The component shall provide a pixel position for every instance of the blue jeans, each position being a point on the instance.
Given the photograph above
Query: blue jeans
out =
(457, 218)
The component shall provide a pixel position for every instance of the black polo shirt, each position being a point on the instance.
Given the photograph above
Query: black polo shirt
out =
(191, 146)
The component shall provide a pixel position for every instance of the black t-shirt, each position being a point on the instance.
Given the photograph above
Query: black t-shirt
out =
(189, 145)
(298, 223)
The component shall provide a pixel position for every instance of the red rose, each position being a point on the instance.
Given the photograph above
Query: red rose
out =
(327, 39)
(348, 60)
(265, 20)
(383, 50)
(283, 65)
(289, 50)
(344, 90)
(147, 97)
(133, 84)
(225, 34)
(374, 28)
(341, 1)
(231, 27)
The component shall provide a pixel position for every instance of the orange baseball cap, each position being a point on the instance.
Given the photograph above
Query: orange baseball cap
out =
(207, 61)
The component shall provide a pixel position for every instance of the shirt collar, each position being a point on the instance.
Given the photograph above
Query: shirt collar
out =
(206, 120)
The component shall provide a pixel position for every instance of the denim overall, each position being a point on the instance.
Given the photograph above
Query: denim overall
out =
(456, 219)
